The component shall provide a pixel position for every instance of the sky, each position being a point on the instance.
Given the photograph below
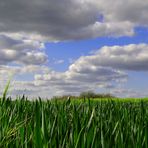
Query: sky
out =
(61, 47)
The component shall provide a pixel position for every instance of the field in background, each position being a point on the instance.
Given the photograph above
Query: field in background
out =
(83, 123)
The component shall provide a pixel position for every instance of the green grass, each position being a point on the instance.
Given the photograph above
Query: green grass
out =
(99, 123)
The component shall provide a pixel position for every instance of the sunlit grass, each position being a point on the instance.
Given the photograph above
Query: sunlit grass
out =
(73, 123)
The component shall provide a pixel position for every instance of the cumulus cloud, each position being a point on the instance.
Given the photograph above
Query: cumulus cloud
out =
(20, 84)
(81, 77)
(76, 79)
(119, 11)
(23, 69)
(132, 57)
(103, 69)
(21, 51)
(128, 93)
(56, 20)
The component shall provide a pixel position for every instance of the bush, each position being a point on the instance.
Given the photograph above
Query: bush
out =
(91, 94)
(87, 94)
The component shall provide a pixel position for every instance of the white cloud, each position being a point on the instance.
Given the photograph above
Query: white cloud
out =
(21, 51)
(129, 57)
(128, 93)
(80, 77)
(103, 69)
(48, 83)
(58, 61)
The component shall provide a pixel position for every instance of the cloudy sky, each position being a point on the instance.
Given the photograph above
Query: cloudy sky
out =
(56, 47)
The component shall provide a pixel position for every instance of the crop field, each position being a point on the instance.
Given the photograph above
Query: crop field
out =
(73, 124)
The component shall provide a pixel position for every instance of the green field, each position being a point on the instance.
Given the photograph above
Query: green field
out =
(99, 123)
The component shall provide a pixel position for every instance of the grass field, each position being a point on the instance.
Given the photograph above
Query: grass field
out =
(74, 123)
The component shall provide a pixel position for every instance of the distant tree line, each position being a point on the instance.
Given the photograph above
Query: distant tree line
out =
(86, 95)
(91, 94)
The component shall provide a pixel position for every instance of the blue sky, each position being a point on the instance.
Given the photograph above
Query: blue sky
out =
(75, 49)
(53, 48)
